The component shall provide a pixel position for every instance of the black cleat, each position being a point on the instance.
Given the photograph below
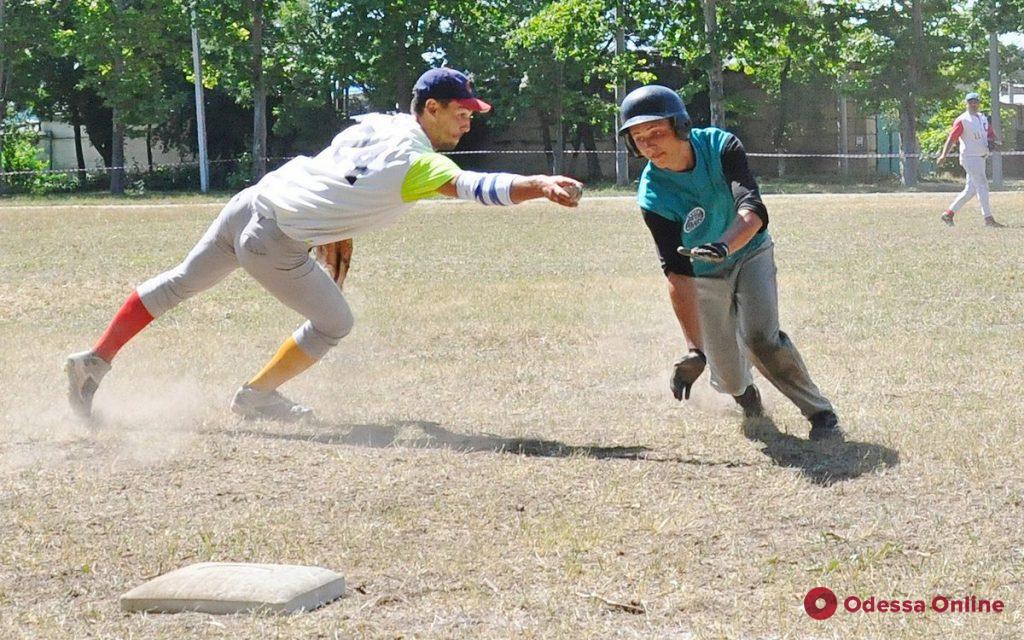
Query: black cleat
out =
(750, 401)
(825, 426)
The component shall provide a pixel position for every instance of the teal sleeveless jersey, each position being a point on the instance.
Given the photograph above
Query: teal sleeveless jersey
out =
(699, 199)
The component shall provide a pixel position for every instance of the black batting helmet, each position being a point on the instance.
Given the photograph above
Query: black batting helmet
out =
(653, 102)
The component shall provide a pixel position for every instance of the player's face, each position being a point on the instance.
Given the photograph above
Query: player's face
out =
(657, 141)
(972, 106)
(446, 123)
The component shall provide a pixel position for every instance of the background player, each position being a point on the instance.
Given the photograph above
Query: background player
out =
(971, 129)
(697, 192)
(369, 175)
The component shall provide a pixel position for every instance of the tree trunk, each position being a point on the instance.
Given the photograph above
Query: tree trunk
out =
(545, 136)
(76, 123)
(621, 153)
(716, 90)
(4, 76)
(559, 150)
(908, 102)
(779, 139)
(908, 141)
(99, 124)
(577, 142)
(117, 175)
(149, 146)
(593, 161)
(401, 86)
(259, 111)
(3, 135)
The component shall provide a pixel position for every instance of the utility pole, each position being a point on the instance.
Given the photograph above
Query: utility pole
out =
(197, 69)
(994, 122)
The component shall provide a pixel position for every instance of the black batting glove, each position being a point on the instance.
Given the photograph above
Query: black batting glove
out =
(711, 252)
(685, 372)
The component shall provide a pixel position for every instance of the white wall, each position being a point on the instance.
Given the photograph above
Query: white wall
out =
(58, 144)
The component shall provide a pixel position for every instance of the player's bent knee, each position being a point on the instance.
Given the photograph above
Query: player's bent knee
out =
(317, 340)
(162, 293)
(340, 326)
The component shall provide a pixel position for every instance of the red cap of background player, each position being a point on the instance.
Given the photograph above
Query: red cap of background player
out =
(448, 84)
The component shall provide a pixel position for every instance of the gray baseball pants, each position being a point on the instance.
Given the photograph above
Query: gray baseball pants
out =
(239, 237)
(739, 316)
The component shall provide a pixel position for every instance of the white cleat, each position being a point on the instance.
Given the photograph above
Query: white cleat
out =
(267, 405)
(85, 370)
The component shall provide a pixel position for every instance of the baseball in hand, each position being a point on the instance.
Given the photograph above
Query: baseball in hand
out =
(575, 191)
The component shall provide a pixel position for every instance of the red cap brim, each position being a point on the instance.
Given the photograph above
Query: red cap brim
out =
(474, 104)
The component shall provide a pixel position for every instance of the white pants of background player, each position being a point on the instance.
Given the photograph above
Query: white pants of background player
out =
(239, 237)
(977, 183)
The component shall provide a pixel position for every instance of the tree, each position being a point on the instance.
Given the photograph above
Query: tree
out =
(239, 53)
(792, 45)
(122, 47)
(576, 92)
(24, 36)
(894, 60)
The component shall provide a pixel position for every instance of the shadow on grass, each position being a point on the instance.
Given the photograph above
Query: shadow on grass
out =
(434, 436)
(824, 462)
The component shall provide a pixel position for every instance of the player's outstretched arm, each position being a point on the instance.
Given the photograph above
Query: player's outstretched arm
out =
(508, 188)
(951, 139)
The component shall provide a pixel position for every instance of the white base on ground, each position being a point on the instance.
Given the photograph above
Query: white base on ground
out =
(231, 587)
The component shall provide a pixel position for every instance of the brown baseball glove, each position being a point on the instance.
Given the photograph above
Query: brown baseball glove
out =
(335, 258)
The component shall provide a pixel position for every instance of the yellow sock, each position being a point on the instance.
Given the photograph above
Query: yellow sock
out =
(289, 361)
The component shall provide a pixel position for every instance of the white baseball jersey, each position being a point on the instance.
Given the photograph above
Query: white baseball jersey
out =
(973, 132)
(367, 178)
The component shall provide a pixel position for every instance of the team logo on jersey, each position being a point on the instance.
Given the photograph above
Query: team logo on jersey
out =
(694, 219)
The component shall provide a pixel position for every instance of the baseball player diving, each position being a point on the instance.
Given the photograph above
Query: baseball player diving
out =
(710, 227)
(367, 178)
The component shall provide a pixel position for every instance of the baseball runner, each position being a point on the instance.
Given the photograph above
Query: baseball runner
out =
(367, 178)
(709, 224)
(971, 129)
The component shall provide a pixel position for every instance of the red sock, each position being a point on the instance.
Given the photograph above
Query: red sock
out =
(130, 319)
(949, 212)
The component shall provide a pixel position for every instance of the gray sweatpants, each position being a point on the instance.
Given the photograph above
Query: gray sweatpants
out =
(739, 316)
(241, 238)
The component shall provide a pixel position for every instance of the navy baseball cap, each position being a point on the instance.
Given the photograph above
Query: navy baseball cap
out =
(448, 84)
(971, 96)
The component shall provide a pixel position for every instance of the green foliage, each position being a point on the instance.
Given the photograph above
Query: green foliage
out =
(21, 154)
(240, 177)
(123, 47)
(566, 54)
(546, 60)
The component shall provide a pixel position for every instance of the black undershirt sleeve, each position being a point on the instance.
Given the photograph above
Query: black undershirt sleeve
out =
(744, 187)
(667, 235)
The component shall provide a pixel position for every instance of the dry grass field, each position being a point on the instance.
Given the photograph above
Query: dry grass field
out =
(498, 454)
